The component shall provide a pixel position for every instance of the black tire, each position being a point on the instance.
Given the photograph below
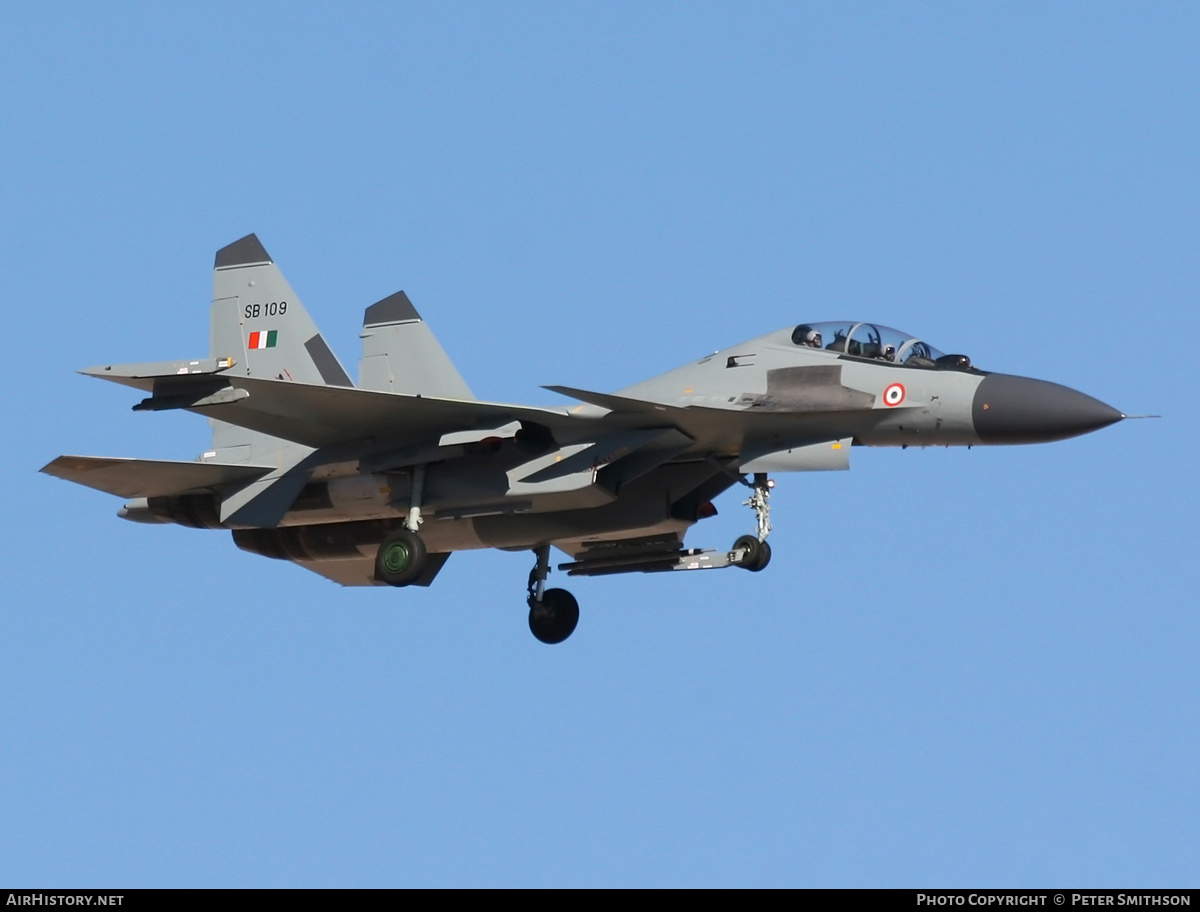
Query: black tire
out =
(758, 553)
(553, 619)
(400, 559)
(764, 557)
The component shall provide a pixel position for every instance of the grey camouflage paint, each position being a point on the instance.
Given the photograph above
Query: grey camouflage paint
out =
(309, 468)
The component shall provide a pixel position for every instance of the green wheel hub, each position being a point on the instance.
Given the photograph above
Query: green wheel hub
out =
(397, 557)
(400, 559)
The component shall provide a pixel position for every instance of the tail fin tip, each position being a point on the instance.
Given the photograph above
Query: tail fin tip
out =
(242, 252)
(396, 308)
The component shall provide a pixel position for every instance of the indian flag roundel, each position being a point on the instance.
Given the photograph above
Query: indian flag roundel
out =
(264, 339)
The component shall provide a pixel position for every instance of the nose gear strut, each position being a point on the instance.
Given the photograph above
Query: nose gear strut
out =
(760, 502)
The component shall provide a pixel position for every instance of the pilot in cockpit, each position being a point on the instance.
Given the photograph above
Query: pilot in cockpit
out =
(811, 338)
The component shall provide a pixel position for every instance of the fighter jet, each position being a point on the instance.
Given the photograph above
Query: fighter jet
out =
(378, 483)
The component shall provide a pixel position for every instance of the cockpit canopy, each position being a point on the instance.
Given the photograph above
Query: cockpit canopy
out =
(868, 340)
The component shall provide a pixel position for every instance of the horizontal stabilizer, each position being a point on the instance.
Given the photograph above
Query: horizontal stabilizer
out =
(150, 477)
(143, 375)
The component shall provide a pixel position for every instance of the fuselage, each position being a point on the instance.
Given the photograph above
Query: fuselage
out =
(377, 482)
(900, 392)
(775, 403)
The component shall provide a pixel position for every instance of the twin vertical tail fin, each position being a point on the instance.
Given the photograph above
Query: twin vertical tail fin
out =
(259, 322)
(401, 354)
(257, 318)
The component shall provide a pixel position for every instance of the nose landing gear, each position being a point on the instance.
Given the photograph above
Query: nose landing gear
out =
(756, 553)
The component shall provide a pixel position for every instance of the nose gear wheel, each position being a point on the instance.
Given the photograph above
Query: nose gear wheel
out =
(758, 553)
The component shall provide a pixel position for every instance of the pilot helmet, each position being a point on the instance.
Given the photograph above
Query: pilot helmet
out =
(812, 338)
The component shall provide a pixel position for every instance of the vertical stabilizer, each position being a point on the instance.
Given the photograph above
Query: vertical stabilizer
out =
(401, 354)
(258, 320)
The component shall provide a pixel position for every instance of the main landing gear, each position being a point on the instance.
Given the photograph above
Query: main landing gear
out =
(400, 560)
(553, 613)
(401, 557)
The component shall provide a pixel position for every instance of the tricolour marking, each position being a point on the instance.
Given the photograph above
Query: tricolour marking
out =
(893, 395)
(266, 339)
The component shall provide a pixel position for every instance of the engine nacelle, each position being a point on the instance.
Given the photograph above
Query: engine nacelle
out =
(324, 541)
(197, 511)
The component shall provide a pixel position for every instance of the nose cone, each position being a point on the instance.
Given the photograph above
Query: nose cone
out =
(1011, 409)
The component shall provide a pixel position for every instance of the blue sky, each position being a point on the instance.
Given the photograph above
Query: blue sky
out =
(962, 668)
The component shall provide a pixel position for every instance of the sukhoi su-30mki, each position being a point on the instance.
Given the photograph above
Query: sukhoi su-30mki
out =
(377, 483)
